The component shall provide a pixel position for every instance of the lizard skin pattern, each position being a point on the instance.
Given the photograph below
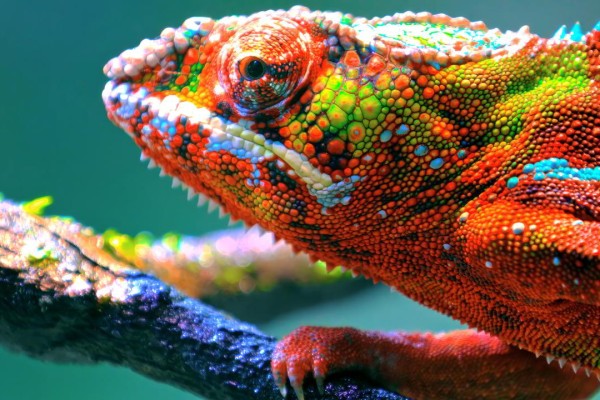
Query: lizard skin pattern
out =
(455, 163)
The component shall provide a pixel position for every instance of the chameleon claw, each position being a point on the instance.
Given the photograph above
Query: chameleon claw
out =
(283, 390)
(279, 373)
(296, 381)
(321, 385)
(299, 392)
(319, 375)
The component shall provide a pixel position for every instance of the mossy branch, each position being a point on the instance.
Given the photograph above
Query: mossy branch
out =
(64, 298)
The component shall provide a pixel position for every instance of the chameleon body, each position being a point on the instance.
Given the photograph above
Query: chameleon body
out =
(457, 164)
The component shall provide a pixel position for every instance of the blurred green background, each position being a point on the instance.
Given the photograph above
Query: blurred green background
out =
(56, 140)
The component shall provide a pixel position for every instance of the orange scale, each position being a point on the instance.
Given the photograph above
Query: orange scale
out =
(430, 192)
(176, 141)
(383, 171)
(309, 150)
(454, 103)
(231, 181)
(428, 93)
(310, 220)
(213, 156)
(181, 79)
(315, 134)
(242, 166)
(408, 93)
(192, 148)
(422, 80)
(354, 162)
(337, 175)
(401, 82)
(285, 132)
(450, 186)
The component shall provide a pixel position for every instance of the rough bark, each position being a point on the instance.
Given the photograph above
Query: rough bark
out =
(64, 299)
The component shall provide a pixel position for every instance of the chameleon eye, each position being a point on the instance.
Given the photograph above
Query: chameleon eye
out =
(265, 64)
(252, 68)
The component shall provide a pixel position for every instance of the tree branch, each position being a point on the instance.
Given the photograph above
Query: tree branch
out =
(64, 299)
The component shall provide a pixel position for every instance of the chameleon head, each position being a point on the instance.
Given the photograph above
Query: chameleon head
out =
(314, 125)
(207, 101)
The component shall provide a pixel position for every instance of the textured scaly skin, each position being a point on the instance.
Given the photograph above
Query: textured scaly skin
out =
(456, 164)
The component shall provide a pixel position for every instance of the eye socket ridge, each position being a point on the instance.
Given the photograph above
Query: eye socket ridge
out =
(252, 68)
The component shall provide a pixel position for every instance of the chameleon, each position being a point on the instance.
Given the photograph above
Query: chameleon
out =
(455, 163)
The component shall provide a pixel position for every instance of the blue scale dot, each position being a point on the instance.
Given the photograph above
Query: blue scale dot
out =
(434, 64)
(421, 150)
(436, 163)
(556, 261)
(528, 168)
(512, 182)
(402, 129)
(385, 136)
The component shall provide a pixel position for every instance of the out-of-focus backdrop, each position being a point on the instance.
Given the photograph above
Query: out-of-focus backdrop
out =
(55, 140)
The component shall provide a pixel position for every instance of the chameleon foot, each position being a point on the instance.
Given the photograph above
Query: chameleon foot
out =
(307, 350)
(459, 364)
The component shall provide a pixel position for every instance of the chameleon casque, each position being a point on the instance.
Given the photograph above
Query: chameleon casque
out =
(457, 164)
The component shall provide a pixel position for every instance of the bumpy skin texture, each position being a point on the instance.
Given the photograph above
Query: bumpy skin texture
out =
(457, 164)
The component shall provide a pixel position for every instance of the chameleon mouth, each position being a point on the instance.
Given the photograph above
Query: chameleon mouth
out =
(130, 95)
(124, 102)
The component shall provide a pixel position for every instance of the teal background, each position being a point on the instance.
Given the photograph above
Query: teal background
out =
(55, 139)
